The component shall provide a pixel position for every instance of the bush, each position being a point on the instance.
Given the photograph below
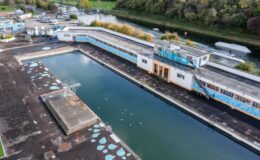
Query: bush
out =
(171, 36)
(8, 36)
(125, 29)
(73, 16)
(247, 66)
(190, 43)
(253, 24)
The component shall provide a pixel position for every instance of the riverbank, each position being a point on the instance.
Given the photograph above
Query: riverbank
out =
(184, 26)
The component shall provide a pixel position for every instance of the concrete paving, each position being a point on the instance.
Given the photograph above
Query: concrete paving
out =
(27, 129)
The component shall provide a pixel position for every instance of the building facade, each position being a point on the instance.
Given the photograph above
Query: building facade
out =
(184, 66)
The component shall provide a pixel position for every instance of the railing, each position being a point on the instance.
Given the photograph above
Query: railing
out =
(201, 86)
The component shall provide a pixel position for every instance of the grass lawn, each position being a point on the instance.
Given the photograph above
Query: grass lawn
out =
(6, 9)
(94, 4)
(195, 27)
(1, 149)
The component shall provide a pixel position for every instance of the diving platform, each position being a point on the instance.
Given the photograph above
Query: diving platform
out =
(71, 113)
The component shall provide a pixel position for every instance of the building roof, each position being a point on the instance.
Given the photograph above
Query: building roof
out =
(234, 47)
(183, 48)
(235, 82)
(118, 40)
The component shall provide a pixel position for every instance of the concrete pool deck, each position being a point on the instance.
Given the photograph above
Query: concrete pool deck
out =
(27, 128)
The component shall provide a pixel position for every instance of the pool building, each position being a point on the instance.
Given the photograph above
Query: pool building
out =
(187, 67)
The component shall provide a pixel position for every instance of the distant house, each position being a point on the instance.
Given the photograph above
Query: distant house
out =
(10, 26)
(19, 12)
(65, 10)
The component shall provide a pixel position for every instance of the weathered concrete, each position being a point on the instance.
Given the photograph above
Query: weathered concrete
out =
(27, 129)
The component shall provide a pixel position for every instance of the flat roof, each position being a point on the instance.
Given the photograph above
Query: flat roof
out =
(71, 113)
(183, 48)
(119, 41)
(230, 80)
(232, 46)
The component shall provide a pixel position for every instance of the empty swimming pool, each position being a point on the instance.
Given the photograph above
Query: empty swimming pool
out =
(154, 129)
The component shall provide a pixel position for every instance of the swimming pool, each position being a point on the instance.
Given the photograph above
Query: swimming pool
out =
(152, 128)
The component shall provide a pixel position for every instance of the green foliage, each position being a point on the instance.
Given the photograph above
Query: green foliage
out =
(83, 4)
(125, 29)
(19, 1)
(171, 36)
(190, 43)
(248, 67)
(8, 36)
(232, 13)
(73, 16)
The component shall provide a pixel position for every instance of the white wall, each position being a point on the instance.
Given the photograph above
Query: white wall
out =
(203, 62)
(185, 83)
(61, 36)
(146, 66)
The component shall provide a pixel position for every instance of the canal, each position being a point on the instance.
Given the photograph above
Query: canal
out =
(154, 129)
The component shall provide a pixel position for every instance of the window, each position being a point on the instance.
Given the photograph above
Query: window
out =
(205, 58)
(66, 35)
(166, 73)
(180, 76)
(242, 99)
(189, 58)
(215, 88)
(155, 69)
(203, 83)
(144, 61)
(227, 93)
(256, 105)
(160, 71)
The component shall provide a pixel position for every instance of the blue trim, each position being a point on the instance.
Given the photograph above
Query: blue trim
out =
(230, 101)
(107, 48)
(171, 55)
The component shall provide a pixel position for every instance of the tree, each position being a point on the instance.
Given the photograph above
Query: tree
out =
(73, 16)
(6, 2)
(238, 20)
(253, 24)
(211, 16)
(83, 4)
(31, 2)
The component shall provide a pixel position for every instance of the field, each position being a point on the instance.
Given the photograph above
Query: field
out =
(94, 4)
(6, 9)
(1, 149)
